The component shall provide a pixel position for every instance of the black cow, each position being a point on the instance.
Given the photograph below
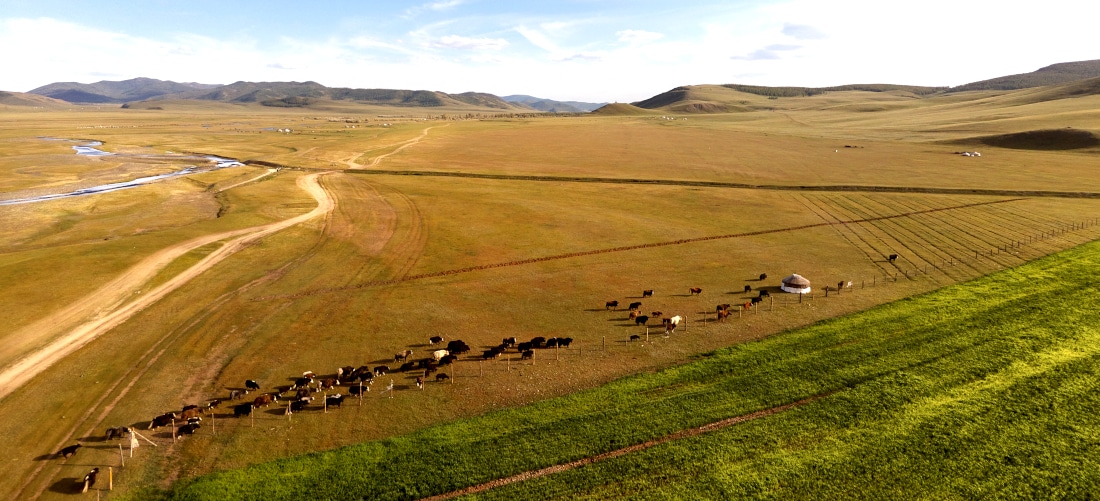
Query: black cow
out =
(301, 382)
(458, 347)
(763, 276)
(242, 410)
(893, 257)
(116, 432)
(552, 342)
(441, 377)
(69, 451)
(354, 390)
(612, 304)
(647, 293)
(565, 342)
(524, 346)
(536, 342)
(300, 404)
(251, 385)
(635, 305)
(756, 300)
(641, 320)
(187, 429)
(840, 285)
(334, 400)
(748, 288)
(162, 420)
(764, 293)
(407, 366)
(634, 337)
(488, 354)
(527, 355)
(435, 339)
(381, 370)
(449, 359)
(721, 307)
(509, 341)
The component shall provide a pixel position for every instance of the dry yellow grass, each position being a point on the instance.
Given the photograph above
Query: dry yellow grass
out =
(345, 290)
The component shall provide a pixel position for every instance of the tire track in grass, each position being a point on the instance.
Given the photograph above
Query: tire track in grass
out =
(444, 273)
(929, 253)
(680, 435)
(804, 200)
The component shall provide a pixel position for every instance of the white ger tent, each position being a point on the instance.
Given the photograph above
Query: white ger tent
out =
(796, 284)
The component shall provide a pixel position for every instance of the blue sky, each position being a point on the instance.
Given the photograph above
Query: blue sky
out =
(588, 50)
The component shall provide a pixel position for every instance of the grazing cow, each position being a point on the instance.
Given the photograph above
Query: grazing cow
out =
(552, 342)
(655, 314)
(303, 392)
(612, 304)
(89, 479)
(242, 410)
(635, 305)
(189, 412)
(458, 347)
(162, 420)
(536, 342)
(695, 290)
(524, 346)
(301, 382)
(116, 432)
(435, 339)
(329, 383)
(211, 405)
(488, 354)
(747, 305)
(424, 363)
(235, 394)
(633, 314)
(763, 277)
(364, 374)
(194, 420)
(723, 314)
(354, 390)
(381, 370)
(345, 373)
(420, 382)
(564, 342)
(441, 377)
(264, 400)
(299, 405)
(840, 285)
(449, 359)
(407, 366)
(509, 341)
(334, 400)
(187, 429)
(748, 288)
(671, 323)
(529, 354)
(647, 293)
(721, 307)
(634, 337)
(893, 257)
(404, 355)
(438, 355)
(431, 369)
(641, 320)
(755, 300)
(251, 385)
(764, 293)
(69, 451)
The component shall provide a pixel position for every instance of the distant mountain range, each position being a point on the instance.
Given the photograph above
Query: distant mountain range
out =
(292, 95)
(552, 106)
(685, 99)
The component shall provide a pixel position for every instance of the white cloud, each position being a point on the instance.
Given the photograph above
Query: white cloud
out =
(638, 36)
(461, 42)
(802, 32)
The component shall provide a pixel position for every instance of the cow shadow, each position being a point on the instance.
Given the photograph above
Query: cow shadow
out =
(276, 411)
(596, 309)
(68, 485)
(92, 438)
(47, 457)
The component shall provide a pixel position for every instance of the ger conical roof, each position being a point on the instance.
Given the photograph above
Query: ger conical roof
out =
(796, 280)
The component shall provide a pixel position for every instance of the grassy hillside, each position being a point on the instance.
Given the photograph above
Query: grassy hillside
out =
(1054, 74)
(985, 386)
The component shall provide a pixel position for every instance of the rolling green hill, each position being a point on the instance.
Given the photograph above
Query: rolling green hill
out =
(1050, 75)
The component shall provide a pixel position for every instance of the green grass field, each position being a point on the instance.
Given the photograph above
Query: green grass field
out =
(981, 389)
(404, 257)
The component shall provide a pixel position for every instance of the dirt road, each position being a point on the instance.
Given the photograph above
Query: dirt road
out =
(404, 144)
(106, 308)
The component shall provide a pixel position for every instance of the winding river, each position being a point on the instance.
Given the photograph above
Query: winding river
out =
(89, 149)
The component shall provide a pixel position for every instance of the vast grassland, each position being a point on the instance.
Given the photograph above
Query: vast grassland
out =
(403, 257)
(982, 389)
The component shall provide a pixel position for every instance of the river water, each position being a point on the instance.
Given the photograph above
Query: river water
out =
(89, 149)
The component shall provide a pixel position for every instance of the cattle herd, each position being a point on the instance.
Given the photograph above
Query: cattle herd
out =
(300, 396)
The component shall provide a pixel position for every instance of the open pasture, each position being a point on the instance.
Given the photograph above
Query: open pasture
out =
(401, 258)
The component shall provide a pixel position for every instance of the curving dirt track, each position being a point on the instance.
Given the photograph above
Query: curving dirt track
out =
(107, 307)
(404, 144)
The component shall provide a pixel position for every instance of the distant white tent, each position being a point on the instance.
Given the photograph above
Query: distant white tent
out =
(796, 284)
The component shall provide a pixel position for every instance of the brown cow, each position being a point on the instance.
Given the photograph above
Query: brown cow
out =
(264, 400)
(723, 314)
(612, 304)
(695, 290)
